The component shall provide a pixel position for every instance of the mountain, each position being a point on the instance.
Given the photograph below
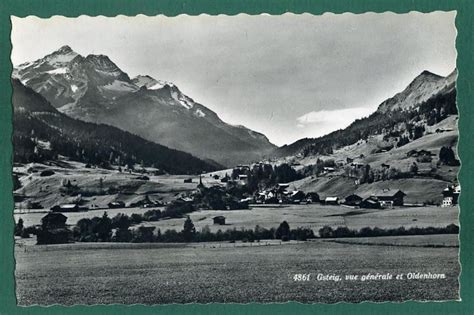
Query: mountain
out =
(42, 133)
(423, 87)
(428, 99)
(94, 89)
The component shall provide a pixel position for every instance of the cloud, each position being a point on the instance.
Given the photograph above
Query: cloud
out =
(318, 123)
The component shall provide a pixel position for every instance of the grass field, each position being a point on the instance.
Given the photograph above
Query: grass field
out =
(312, 216)
(168, 273)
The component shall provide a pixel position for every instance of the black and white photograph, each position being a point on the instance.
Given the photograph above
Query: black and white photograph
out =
(235, 159)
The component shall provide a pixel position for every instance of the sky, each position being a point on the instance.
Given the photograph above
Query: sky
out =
(288, 76)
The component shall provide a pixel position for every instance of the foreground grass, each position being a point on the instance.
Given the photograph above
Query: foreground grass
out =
(124, 273)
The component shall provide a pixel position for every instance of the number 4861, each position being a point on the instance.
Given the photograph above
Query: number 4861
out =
(301, 277)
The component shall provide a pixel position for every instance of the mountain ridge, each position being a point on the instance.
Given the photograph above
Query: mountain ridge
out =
(95, 89)
(423, 89)
(36, 120)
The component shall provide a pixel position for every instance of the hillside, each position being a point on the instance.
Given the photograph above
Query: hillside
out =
(397, 147)
(95, 89)
(42, 133)
(427, 100)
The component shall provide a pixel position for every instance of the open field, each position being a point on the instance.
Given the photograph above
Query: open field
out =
(438, 240)
(169, 273)
(312, 216)
(315, 216)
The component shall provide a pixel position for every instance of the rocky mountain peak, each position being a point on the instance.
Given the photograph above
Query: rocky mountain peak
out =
(64, 50)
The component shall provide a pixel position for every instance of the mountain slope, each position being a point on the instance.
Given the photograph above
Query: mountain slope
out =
(42, 133)
(427, 97)
(94, 89)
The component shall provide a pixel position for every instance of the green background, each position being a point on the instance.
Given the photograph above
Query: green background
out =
(47, 8)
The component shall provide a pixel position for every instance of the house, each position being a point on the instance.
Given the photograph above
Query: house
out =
(370, 203)
(186, 199)
(312, 197)
(357, 165)
(390, 198)
(216, 177)
(116, 204)
(53, 221)
(188, 180)
(327, 169)
(353, 200)
(331, 200)
(451, 196)
(297, 196)
(146, 202)
(72, 207)
(243, 177)
(219, 220)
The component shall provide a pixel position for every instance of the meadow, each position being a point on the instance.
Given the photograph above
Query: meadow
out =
(203, 273)
(313, 216)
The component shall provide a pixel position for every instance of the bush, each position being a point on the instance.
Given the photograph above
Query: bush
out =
(152, 215)
(47, 173)
(177, 209)
(328, 232)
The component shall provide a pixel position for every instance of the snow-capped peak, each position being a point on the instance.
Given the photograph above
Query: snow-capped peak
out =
(150, 83)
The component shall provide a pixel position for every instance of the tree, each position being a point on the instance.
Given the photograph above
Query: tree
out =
(19, 227)
(189, 231)
(447, 156)
(104, 228)
(283, 231)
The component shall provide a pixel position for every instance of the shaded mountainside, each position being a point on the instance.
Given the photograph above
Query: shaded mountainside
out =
(95, 89)
(426, 101)
(42, 133)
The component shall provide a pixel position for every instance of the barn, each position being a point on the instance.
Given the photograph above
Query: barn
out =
(331, 200)
(390, 198)
(353, 200)
(66, 208)
(370, 203)
(219, 220)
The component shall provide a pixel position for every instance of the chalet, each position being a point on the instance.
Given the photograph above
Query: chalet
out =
(219, 220)
(188, 180)
(349, 160)
(116, 204)
(243, 177)
(331, 200)
(390, 198)
(370, 203)
(312, 197)
(247, 200)
(53, 221)
(353, 200)
(451, 196)
(297, 196)
(357, 165)
(146, 202)
(186, 199)
(72, 207)
(216, 177)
